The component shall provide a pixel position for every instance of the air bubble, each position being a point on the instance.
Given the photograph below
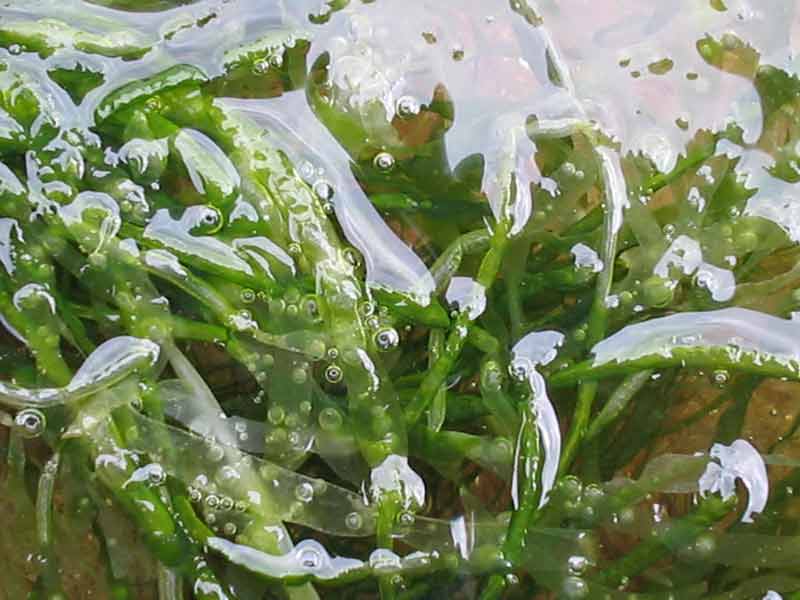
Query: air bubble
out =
(248, 296)
(330, 419)
(229, 529)
(354, 521)
(31, 422)
(309, 558)
(304, 492)
(407, 519)
(215, 452)
(228, 473)
(333, 374)
(387, 339)
(226, 503)
(299, 375)
(261, 67)
(212, 501)
(366, 309)
(577, 564)
(720, 377)
(575, 588)
(312, 308)
(323, 190)
(276, 414)
(408, 106)
(384, 161)
(295, 439)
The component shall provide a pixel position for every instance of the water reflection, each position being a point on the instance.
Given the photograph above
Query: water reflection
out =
(646, 150)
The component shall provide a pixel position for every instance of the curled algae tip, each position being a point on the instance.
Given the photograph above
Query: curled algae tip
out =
(586, 258)
(685, 255)
(466, 295)
(111, 362)
(394, 475)
(740, 460)
(540, 348)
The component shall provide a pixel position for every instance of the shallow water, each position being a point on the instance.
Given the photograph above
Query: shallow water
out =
(473, 298)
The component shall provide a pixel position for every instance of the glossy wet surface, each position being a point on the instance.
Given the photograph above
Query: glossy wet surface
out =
(422, 299)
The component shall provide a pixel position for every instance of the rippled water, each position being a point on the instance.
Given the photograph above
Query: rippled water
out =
(470, 298)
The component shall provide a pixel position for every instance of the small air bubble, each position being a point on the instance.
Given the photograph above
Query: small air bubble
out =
(229, 529)
(31, 422)
(330, 419)
(260, 67)
(387, 339)
(384, 161)
(333, 374)
(575, 588)
(299, 375)
(721, 377)
(248, 296)
(407, 519)
(354, 521)
(309, 558)
(215, 452)
(276, 414)
(304, 492)
(408, 106)
(323, 190)
(577, 564)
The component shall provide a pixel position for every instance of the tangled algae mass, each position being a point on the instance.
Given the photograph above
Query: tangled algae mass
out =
(399, 300)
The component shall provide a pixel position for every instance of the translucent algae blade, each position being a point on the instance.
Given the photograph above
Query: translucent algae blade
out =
(217, 471)
(391, 265)
(730, 338)
(737, 330)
